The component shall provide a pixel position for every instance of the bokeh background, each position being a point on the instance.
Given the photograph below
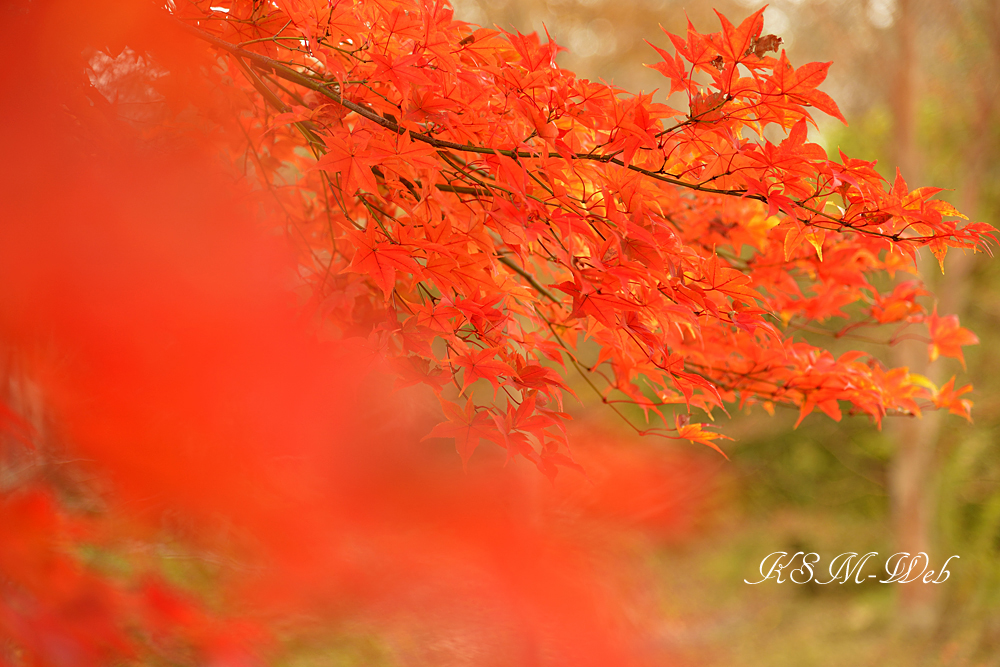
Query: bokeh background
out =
(919, 82)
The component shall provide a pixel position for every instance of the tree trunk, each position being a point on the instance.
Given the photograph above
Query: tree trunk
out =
(912, 479)
(911, 469)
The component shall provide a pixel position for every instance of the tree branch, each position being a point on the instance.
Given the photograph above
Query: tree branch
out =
(281, 70)
(530, 278)
(289, 74)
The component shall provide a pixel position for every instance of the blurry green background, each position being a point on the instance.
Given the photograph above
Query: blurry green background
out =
(919, 82)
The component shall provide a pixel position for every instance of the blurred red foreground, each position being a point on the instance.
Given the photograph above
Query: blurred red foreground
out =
(143, 289)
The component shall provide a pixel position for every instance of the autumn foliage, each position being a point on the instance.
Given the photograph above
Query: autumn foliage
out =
(244, 242)
(481, 214)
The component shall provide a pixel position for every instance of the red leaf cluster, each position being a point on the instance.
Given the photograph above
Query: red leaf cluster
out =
(489, 212)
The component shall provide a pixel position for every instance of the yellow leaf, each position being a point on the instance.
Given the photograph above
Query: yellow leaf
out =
(816, 238)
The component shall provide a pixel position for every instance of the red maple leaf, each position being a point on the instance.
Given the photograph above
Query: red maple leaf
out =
(466, 426)
(347, 158)
(800, 85)
(483, 365)
(377, 257)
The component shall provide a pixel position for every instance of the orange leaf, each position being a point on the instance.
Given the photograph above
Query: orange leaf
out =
(947, 337)
(948, 397)
(696, 433)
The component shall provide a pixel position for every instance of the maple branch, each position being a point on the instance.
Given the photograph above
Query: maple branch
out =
(461, 189)
(282, 70)
(695, 118)
(308, 130)
(286, 72)
(530, 278)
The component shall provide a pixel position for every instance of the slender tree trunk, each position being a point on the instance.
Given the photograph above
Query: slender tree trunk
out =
(912, 479)
(910, 475)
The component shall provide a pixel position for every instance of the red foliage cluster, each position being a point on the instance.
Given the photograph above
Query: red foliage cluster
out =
(502, 219)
